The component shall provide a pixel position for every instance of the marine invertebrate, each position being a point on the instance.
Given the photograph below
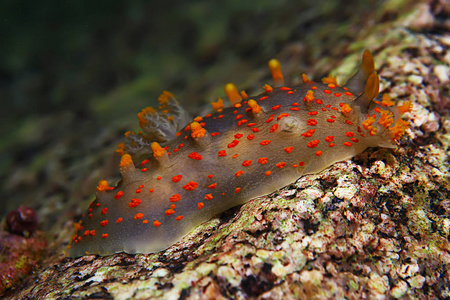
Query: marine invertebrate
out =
(185, 174)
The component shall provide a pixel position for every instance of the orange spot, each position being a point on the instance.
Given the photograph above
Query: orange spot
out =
(255, 129)
(327, 91)
(309, 133)
(197, 131)
(268, 173)
(212, 186)
(145, 222)
(337, 94)
(175, 198)
(275, 69)
(254, 106)
(280, 116)
(158, 151)
(276, 107)
(138, 216)
(405, 107)
(208, 196)
(331, 145)
(329, 80)
(270, 119)
(92, 232)
(331, 120)
(294, 108)
(243, 121)
(349, 134)
(210, 176)
(151, 190)
(346, 109)
(301, 164)
(103, 186)
(305, 78)
(119, 220)
(232, 93)
(156, 223)
(238, 135)
(235, 155)
(312, 113)
(179, 218)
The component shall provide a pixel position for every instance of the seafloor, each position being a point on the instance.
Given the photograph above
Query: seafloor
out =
(373, 227)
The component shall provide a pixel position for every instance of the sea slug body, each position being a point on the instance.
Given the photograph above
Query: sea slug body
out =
(180, 172)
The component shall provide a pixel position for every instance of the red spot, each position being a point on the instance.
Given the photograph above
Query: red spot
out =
(255, 129)
(281, 164)
(265, 142)
(195, 155)
(238, 117)
(288, 149)
(348, 144)
(240, 122)
(92, 232)
(285, 88)
(158, 178)
(177, 178)
(212, 186)
(175, 198)
(104, 210)
(324, 109)
(348, 122)
(86, 233)
(276, 107)
(215, 133)
(222, 153)
(233, 144)
(238, 173)
(134, 202)
(268, 173)
(180, 145)
(151, 190)
(280, 116)
(190, 186)
(220, 117)
(250, 137)
(262, 160)
(237, 190)
(295, 104)
(200, 205)
(331, 120)
(138, 216)
(274, 128)
(311, 122)
(119, 220)
(312, 113)
(329, 138)
(235, 155)
(349, 134)
(331, 145)
(156, 223)
(247, 163)
(141, 186)
(294, 166)
(118, 195)
(309, 133)
(210, 176)
(179, 218)
(169, 212)
(145, 169)
(327, 91)
(319, 153)
(144, 162)
(290, 92)
(208, 196)
(313, 144)
(138, 191)
(301, 164)
(264, 98)
(270, 119)
(337, 94)
(104, 235)
(294, 108)
(354, 140)
(348, 94)
(145, 222)
(238, 135)
(104, 223)
(251, 124)
(318, 101)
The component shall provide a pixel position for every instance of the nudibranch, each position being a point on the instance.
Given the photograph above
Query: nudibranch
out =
(179, 172)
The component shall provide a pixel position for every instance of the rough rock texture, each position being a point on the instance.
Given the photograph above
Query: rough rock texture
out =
(376, 226)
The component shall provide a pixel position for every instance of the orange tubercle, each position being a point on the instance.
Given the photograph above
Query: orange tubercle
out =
(275, 69)
(232, 93)
(197, 131)
(158, 151)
